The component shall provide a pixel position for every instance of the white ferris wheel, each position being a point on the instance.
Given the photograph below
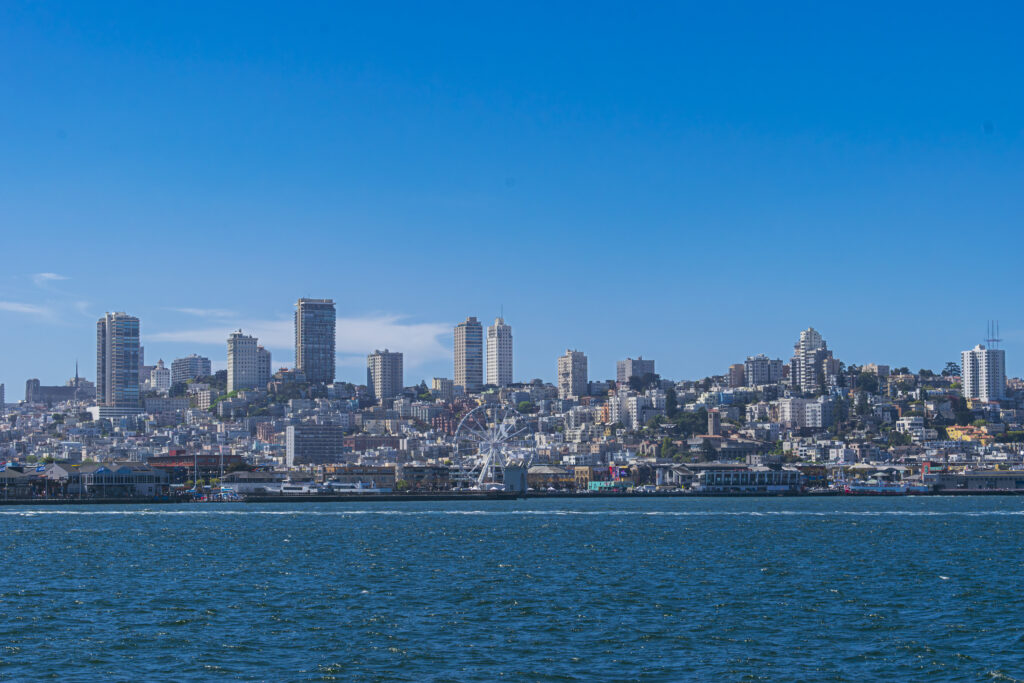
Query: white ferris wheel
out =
(487, 439)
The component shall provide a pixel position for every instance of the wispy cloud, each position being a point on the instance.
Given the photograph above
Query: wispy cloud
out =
(207, 312)
(420, 342)
(27, 309)
(43, 279)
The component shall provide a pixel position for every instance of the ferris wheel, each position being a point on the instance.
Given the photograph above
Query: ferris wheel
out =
(486, 440)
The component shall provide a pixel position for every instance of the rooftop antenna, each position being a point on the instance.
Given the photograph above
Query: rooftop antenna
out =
(993, 334)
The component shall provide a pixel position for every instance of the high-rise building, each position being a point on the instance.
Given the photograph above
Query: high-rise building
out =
(983, 373)
(244, 363)
(264, 369)
(469, 355)
(315, 321)
(117, 361)
(3, 402)
(812, 363)
(572, 374)
(737, 374)
(160, 377)
(633, 367)
(384, 375)
(499, 353)
(760, 370)
(190, 367)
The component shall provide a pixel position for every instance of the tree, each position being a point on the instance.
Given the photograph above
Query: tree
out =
(951, 370)
(525, 407)
(962, 415)
(671, 403)
(925, 373)
(901, 371)
(867, 381)
(402, 486)
(707, 451)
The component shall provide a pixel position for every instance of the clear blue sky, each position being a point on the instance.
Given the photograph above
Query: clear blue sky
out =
(693, 183)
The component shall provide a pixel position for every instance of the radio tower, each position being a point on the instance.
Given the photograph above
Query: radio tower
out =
(993, 334)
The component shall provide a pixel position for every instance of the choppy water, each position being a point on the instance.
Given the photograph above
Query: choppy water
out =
(712, 589)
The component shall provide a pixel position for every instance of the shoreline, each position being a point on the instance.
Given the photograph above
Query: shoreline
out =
(495, 496)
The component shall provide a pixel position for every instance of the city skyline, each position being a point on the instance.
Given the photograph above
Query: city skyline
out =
(349, 371)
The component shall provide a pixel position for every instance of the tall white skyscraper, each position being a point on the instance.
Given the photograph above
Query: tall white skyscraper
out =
(984, 373)
(469, 355)
(572, 374)
(384, 374)
(244, 363)
(117, 361)
(812, 363)
(499, 353)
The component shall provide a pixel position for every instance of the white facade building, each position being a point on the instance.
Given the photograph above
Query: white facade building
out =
(499, 353)
(984, 373)
(160, 378)
(244, 362)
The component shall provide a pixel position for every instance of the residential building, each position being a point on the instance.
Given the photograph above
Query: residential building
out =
(313, 444)
(190, 367)
(117, 361)
(469, 355)
(443, 388)
(737, 374)
(633, 367)
(264, 369)
(572, 375)
(499, 353)
(384, 375)
(983, 373)
(760, 370)
(244, 362)
(813, 365)
(315, 326)
(160, 378)
(3, 402)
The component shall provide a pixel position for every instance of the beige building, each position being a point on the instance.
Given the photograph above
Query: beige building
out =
(572, 374)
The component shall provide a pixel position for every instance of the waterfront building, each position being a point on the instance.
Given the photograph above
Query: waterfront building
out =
(313, 444)
(469, 355)
(633, 367)
(190, 367)
(117, 361)
(760, 370)
(315, 326)
(983, 373)
(572, 375)
(384, 374)
(244, 362)
(160, 378)
(499, 353)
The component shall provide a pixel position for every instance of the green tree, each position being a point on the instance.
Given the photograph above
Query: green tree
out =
(867, 381)
(671, 403)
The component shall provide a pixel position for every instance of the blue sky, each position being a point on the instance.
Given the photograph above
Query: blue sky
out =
(693, 183)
